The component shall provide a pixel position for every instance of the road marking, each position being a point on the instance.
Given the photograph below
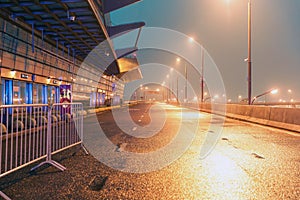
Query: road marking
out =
(134, 128)
(140, 120)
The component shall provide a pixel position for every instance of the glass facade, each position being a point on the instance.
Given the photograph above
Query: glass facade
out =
(44, 60)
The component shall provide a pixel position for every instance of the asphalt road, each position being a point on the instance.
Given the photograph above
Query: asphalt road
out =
(157, 156)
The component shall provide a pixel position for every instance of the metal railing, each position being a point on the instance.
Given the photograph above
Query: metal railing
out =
(29, 133)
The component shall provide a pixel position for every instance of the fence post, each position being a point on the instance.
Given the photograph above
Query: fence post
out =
(2, 194)
(49, 144)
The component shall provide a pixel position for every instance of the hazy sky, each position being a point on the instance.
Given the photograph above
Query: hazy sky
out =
(221, 27)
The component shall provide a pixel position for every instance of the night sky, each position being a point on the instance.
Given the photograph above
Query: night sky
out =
(221, 27)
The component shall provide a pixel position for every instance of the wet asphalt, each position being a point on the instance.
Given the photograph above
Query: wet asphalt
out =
(155, 153)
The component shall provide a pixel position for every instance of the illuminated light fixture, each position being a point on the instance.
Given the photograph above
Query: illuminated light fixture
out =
(60, 82)
(72, 18)
(272, 91)
(191, 39)
(178, 59)
(275, 91)
(48, 80)
(106, 53)
(12, 73)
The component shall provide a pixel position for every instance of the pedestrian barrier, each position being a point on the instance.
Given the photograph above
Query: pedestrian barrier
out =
(29, 133)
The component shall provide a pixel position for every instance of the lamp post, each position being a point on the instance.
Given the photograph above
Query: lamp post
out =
(169, 88)
(202, 76)
(191, 40)
(171, 83)
(249, 54)
(239, 98)
(185, 87)
(186, 81)
(145, 93)
(177, 89)
(272, 91)
(290, 95)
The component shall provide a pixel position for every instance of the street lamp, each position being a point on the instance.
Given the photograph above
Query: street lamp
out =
(191, 40)
(171, 80)
(240, 98)
(272, 91)
(185, 72)
(145, 92)
(249, 54)
(290, 95)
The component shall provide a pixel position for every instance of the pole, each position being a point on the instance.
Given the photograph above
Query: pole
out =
(177, 89)
(202, 76)
(249, 54)
(185, 88)
(169, 98)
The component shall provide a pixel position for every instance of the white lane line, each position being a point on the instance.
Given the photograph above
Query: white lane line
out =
(134, 128)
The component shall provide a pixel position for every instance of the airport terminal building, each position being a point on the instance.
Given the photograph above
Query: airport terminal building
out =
(50, 47)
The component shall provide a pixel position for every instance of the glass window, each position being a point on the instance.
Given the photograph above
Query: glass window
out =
(16, 92)
(22, 94)
(37, 93)
(2, 91)
(52, 94)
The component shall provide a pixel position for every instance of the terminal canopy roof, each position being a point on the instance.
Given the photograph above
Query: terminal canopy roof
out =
(74, 24)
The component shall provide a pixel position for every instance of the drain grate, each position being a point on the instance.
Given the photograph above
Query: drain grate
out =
(98, 183)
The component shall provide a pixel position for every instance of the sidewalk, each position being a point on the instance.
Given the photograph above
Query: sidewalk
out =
(48, 182)
(84, 177)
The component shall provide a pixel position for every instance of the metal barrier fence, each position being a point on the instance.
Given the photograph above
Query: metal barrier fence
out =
(29, 133)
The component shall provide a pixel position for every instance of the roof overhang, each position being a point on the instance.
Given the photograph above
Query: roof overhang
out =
(129, 69)
(75, 26)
